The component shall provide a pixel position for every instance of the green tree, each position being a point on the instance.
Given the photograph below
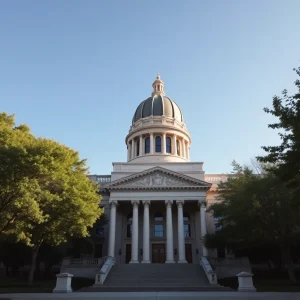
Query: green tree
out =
(286, 155)
(50, 197)
(256, 211)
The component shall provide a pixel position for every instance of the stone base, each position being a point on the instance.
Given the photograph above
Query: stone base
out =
(134, 262)
(182, 262)
(146, 262)
(170, 262)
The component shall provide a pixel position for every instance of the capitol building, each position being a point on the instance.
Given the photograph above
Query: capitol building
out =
(156, 202)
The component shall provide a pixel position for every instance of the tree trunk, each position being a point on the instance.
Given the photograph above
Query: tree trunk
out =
(34, 254)
(287, 259)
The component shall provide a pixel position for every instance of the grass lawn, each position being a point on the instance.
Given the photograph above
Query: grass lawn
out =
(19, 285)
(267, 281)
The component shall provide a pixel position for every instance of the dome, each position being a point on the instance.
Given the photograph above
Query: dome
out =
(158, 105)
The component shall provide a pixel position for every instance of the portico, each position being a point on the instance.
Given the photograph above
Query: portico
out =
(163, 215)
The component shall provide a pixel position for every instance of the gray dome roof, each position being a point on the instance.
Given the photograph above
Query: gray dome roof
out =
(158, 105)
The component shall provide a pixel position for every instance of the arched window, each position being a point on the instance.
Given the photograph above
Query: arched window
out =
(129, 225)
(158, 225)
(158, 144)
(138, 148)
(187, 225)
(147, 145)
(178, 147)
(168, 145)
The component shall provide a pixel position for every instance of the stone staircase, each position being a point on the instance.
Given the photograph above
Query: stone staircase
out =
(156, 277)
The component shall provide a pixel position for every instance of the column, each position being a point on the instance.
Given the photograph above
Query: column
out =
(141, 145)
(181, 238)
(112, 228)
(151, 143)
(163, 144)
(174, 147)
(128, 151)
(169, 225)
(183, 149)
(203, 226)
(132, 149)
(187, 151)
(146, 234)
(135, 233)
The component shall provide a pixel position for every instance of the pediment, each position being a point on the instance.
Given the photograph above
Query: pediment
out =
(158, 178)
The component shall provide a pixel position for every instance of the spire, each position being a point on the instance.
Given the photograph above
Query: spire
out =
(158, 86)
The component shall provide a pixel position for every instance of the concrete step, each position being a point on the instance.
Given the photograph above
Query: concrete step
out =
(157, 289)
(156, 275)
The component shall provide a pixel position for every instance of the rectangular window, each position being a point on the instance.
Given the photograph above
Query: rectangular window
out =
(158, 230)
(129, 230)
(187, 230)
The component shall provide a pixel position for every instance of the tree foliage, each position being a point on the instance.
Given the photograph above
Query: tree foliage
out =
(254, 211)
(286, 155)
(45, 195)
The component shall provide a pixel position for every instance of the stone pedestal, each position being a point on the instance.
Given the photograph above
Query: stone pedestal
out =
(245, 282)
(63, 283)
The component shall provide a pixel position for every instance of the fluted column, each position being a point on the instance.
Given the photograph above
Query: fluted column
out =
(146, 234)
(163, 144)
(112, 228)
(135, 233)
(132, 149)
(203, 225)
(170, 253)
(181, 238)
(151, 143)
(141, 145)
(174, 148)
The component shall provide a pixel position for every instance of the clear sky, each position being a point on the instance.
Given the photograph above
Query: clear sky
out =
(75, 71)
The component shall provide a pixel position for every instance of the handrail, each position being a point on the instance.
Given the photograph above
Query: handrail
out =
(210, 273)
(101, 275)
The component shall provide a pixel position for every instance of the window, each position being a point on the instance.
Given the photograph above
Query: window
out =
(168, 145)
(147, 145)
(158, 144)
(187, 225)
(178, 147)
(137, 147)
(158, 230)
(158, 225)
(129, 225)
(187, 230)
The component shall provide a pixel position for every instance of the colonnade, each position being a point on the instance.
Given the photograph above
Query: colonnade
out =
(136, 146)
(146, 231)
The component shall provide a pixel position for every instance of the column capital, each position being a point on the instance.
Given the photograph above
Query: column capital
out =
(113, 203)
(180, 202)
(169, 203)
(135, 202)
(202, 203)
(146, 202)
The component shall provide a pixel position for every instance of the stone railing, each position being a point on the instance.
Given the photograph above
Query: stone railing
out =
(101, 275)
(209, 272)
(82, 262)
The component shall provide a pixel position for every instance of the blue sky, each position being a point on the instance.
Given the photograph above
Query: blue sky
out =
(75, 71)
